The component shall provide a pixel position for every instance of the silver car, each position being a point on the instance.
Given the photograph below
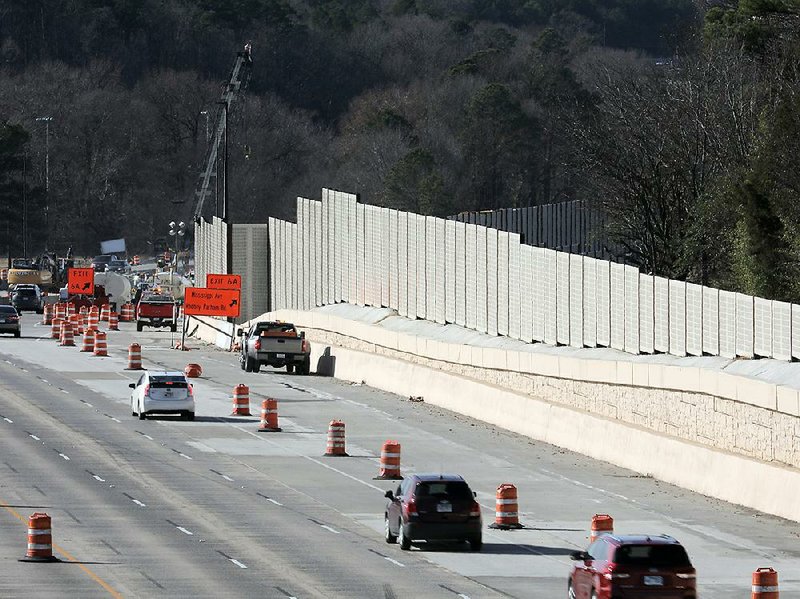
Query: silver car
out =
(162, 393)
(9, 321)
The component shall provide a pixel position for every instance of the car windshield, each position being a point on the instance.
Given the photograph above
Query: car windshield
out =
(451, 489)
(27, 292)
(651, 555)
(168, 382)
(167, 299)
(102, 259)
(7, 310)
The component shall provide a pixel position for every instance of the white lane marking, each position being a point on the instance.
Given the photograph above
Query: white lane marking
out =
(102, 480)
(147, 436)
(64, 391)
(394, 561)
(66, 457)
(183, 455)
(88, 404)
(137, 502)
(226, 477)
(34, 437)
(273, 501)
(238, 563)
(23, 370)
(8, 420)
(184, 531)
(7, 361)
(326, 527)
(116, 420)
(463, 596)
(45, 381)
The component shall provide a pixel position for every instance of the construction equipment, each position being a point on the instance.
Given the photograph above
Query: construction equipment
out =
(48, 271)
(239, 79)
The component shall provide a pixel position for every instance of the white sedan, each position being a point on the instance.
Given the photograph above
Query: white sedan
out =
(162, 393)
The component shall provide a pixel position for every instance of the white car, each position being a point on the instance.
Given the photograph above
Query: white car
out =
(162, 393)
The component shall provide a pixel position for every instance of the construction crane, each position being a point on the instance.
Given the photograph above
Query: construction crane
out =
(240, 77)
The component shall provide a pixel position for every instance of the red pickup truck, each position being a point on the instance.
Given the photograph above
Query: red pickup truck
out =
(156, 310)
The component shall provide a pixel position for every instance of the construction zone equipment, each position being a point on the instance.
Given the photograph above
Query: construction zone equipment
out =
(134, 357)
(390, 462)
(113, 321)
(602, 524)
(506, 511)
(88, 341)
(126, 315)
(269, 416)
(105, 310)
(336, 440)
(765, 584)
(77, 324)
(193, 371)
(55, 328)
(100, 344)
(94, 318)
(47, 315)
(241, 400)
(40, 539)
(67, 335)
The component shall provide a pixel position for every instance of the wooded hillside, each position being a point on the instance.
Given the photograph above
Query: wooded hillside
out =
(679, 119)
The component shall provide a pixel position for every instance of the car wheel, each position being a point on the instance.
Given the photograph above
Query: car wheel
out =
(570, 591)
(17, 334)
(173, 328)
(476, 543)
(256, 366)
(141, 413)
(190, 416)
(305, 369)
(248, 364)
(243, 363)
(405, 542)
(290, 368)
(594, 594)
(139, 326)
(387, 532)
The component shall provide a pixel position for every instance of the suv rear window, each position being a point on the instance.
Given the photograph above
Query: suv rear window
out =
(455, 489)
(651, 555)
(8, 310)
(168, 382)
(27, 292)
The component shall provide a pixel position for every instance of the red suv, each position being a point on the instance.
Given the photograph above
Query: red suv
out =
(632, 566)
(433, 507)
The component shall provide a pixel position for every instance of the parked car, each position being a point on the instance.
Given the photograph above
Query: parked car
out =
(433, 507)
(162, 393)
(100, 263)
(27, 297)
(620, 566)
(9, 321)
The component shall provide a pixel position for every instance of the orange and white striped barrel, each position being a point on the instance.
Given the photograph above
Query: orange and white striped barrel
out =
(67, 336)
(40, 539)
(84, 310)
(3, 274)
(136, 261)
(336, 439)
(94, 320)
(765, 584)
(77, 324)
(105, 310)
(506, 507)
(61, 311)
(390, 461)
(47, 314)
(113, 321)
(126, 314)
(269, 416)
(55, 328)
(193, 371)
(88, 341)
(70, 309)
(241, 400)
(602, 524)
(134, 357)
(100, 344)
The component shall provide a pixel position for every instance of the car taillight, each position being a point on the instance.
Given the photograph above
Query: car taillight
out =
(410, 508)
(304, 346)
(614, 574)
(686, 575)
(191, 390)
(258, 344)
(475, 510)
(13, 318)
(147, 389)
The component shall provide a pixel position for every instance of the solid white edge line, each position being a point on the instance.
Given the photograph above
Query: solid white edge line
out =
(326, 527)
(394, 561)
(238, 563)
(226, 477)
(273, 501)
(184, 531)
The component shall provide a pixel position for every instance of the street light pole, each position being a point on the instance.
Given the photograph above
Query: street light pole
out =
(205, 112)
(46, 120)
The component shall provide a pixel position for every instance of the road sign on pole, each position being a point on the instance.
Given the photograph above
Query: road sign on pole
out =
(80, 281)
(223, 281)
(202, 301)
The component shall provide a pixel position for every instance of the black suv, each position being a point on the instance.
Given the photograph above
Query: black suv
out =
(101, 262)
(27, 298)
(433, 507)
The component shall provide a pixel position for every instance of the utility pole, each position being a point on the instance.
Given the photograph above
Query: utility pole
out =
(46, 120)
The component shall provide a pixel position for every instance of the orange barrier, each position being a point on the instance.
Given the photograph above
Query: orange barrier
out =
(269, 416)
(100, 344)
(40, 539)
(88, 341)
(77, 324)
(126, 314)
(61, 311)
(55, 328)
(135, 261)
(4, 274)
(94, 318)
(84, 310)
(134, 357)
(506, 508)
(105, 310)
(47, 314)
(67, 336)
(765, 584)
(113, 321)
(84, 321)
(390, 461)
(602, 524)
(241, 400)
(193, 371)
(336, 441)
(70, 310)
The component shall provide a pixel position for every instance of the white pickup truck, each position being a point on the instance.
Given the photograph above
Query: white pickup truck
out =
(275, 344)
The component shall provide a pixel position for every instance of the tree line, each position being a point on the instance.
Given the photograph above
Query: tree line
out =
(676, 118)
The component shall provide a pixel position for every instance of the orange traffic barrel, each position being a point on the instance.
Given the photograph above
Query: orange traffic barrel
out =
(336, 439)
(136, 260)
(70, 309)
(193, 371)
(113, 321)
(40, 539)
(94, 319)
(100, 344)
(269, 416)
(61, 311)
(390, 462)
(3, 274)
(77, 324)
(67, 336)
(47, 314)
(105, 310)
(506, 508)
(602, 524)
(84, 310)
(134, 357)
(241, 400)
(88, 341)
(126, 315)
(765, 584)
(55, 328)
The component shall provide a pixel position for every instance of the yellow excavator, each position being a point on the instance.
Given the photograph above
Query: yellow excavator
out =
(48, 271)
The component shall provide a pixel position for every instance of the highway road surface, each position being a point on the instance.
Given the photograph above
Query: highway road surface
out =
(213, 508)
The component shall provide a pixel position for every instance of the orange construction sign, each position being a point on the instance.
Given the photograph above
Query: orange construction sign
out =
(80, 281)
(223, 281)
(202, 301)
